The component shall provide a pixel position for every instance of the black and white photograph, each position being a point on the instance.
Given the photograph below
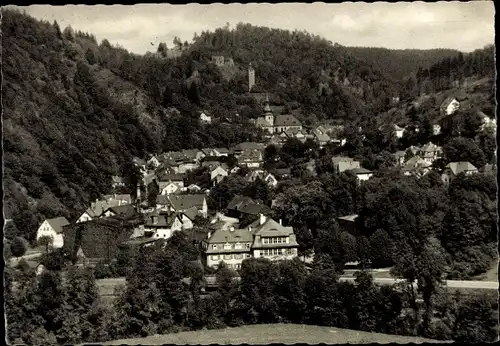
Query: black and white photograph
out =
(250, 173)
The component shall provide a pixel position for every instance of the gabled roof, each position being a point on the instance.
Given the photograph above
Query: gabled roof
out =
(183, 202)
(139, 161)
(191, 213)
(350, 218)
(222, 150)
(270, 228)
(286, 120)
(254, 209)
(360, 170)
(125, 211)
(251, 155)
(124, 198)
(460, 167)
(58, 223)
(238, 201)
(171, 177)
(238, 235)
(162, 200)
(162, 220)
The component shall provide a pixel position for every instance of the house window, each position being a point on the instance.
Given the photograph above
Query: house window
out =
(248, 245)
(247, 255)
(214, 246)
(228, 257)
(238, 256)
(215, 257)
(237, 266)
(238, 246)
(227, 246)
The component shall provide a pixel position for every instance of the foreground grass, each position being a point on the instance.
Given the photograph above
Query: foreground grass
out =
(271, 333)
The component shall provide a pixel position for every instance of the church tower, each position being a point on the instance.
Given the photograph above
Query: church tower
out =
(268, 114)
(251, 77)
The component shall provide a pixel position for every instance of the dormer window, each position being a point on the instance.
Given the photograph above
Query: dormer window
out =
(227, 246)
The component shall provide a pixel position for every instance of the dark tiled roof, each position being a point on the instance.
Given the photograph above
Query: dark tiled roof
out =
(58, 223)
(125, 211)
(183, 202)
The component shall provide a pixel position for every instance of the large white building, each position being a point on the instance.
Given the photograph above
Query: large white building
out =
(265, 238)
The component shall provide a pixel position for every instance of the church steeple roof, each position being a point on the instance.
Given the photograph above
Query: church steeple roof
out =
(267, 108)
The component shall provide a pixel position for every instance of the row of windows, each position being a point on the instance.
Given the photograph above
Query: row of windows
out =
(230, 256)
(275, 252)
(228, 246)
(274, 240)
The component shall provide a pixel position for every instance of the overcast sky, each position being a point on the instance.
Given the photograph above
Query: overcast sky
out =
(139, 28)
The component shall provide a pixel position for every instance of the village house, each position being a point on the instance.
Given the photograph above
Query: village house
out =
(488, 169)
(321, 137)
(272, 240)
(126, 211)
(453, 169)
(205, 118)
(217, 174)
(430, 152)
(265, 238)
(53, 228)
(217, 152)
(140, 163)
(344, 163)
(171, 183)
(181, 203)
(363, 174)
(117, 181)
(252, 158)
(416, 166)
(271, 180)
(238, 149)
(449, 106)
(487, 122)
(211, 162)
(99, 206)
(161, 224)
(153, 162)
(399, 156)
(398, 131)
(436, 129)
(254, 174)
(243, 207)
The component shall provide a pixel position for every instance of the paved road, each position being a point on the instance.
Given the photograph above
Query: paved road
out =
(489, 285)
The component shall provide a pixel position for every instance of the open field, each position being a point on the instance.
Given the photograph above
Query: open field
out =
(271, 333)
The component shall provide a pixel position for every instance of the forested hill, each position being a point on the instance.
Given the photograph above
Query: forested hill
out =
(398, 63)
(75, 112)
(301, 68)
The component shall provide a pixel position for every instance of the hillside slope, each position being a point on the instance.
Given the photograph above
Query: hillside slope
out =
(272, 333)
(75, 112)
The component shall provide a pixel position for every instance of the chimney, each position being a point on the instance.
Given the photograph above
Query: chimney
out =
(262, 219)
(281, 223)
(231, 229)
(249, 228)
(209, 235)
